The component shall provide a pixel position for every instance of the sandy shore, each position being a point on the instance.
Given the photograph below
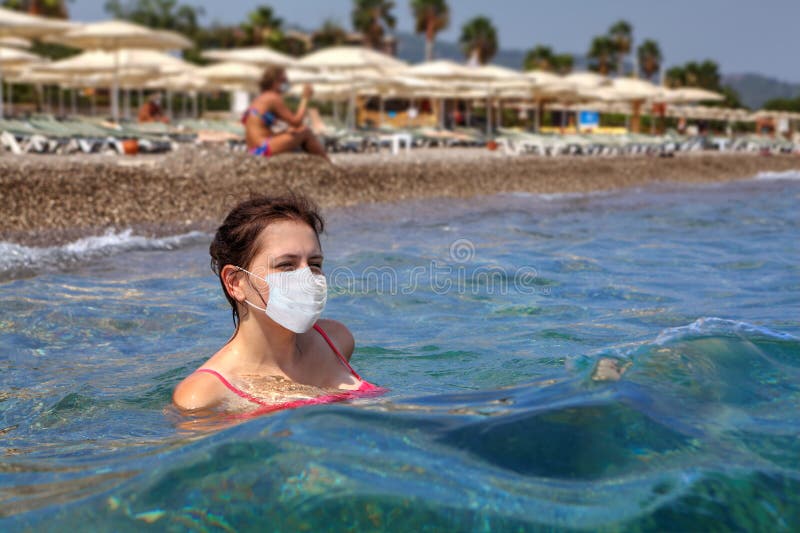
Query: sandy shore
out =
(56, 199)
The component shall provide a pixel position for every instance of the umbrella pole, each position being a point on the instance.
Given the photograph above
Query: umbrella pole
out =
(127, 104)
(1, 92)
(115, 89)
(169, 105)
(488, 116)
(194, 104)
(94, 102)
(74, 100)
(60, 101)
(380, 110)
(10, 98)
(184, 106)
(500, 113)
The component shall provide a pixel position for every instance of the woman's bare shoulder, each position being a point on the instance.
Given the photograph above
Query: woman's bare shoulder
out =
(340, 335)
(199, 390)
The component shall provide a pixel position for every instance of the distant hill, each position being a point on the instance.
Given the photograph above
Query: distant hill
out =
(755, 89)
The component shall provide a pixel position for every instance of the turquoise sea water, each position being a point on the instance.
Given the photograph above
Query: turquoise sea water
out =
(486, 318)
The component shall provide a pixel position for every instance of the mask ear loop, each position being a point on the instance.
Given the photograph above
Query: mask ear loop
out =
(255, 289)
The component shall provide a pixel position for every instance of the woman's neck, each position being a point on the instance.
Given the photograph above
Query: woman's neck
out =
(263, 345)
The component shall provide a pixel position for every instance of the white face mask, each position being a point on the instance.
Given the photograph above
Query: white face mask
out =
(296, 298)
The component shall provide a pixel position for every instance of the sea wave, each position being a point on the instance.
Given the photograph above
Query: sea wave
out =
(17, 260)
(784, 175)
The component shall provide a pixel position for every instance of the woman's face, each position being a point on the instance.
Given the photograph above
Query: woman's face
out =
(287, 245)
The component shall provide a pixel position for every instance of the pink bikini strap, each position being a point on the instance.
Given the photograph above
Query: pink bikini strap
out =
(233, 389)
(336, 351)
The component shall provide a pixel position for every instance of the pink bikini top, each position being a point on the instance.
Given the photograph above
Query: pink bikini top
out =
(366, 388)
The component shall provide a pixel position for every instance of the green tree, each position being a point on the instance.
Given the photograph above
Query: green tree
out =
(783, 104)
(705, 75)
(263, 27)
(621, 35)
(479, 39)
(649, 56)
(601, 54)
(370, 17)
(45, 8)
(540, 57)
(431, 17)
(162, 14)
(329, 34)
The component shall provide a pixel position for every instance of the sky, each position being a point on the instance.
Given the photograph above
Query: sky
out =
(743, 37)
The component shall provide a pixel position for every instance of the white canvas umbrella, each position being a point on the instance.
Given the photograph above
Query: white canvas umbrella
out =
(685, 95)
(16, 42)
(230, 73)
(633, 90)
(16, 24)
(260, 56)
(114, 35)
(355, 61)
(12, 59)
(349, 58)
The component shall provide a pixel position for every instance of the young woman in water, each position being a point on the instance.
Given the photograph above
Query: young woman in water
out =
(268, 258)
(268, 110)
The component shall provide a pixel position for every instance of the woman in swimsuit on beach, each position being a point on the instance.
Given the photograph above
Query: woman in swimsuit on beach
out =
(268, 258)
(268, 109)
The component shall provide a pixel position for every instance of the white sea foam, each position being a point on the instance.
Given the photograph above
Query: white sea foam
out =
(718, 326)
(785, 175)
(16, 259)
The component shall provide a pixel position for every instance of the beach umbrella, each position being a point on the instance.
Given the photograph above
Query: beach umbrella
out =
(16, 24)
(115, 35)
(101, 61)
(685, 95)
(260, 56)
(633, 90)
(349, 58)
(458, 76)
(355, 61)
(230, 73)
(16, 42)
(13, 58)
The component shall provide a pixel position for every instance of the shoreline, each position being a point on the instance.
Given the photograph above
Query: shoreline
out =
(53, 200)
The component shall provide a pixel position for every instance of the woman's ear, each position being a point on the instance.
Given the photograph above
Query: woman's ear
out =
(234, 280)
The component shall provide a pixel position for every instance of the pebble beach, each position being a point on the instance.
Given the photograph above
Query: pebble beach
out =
(51, 200)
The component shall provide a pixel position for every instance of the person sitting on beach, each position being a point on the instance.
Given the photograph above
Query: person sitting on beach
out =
(268, 259)
(151, 111)
(261, 119)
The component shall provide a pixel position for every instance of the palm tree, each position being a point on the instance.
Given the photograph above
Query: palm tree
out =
(621, 33)
(562, 63)
(432, 16)
(370, 16)
(540, 57)
(330, 34)
(649, 56)
(479, 39)
(602, 53)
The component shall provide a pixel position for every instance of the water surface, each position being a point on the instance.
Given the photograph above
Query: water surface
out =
(486, 319)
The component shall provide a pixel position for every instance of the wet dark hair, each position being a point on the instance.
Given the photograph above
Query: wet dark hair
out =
(236, 240)
(270, 76)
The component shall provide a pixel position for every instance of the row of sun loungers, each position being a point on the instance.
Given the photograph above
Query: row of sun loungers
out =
(47, 134)
(515, 142)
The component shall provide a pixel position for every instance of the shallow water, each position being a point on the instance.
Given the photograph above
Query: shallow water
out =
(486, 319)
